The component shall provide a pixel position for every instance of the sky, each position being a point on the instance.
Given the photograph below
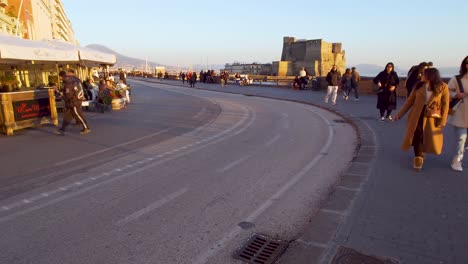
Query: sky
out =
(207, 32)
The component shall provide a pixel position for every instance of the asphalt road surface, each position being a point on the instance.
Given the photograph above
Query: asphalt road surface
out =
(179, 176)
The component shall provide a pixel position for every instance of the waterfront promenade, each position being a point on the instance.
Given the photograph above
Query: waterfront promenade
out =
(381, 207)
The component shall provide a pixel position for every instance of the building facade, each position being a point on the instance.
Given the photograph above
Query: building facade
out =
(36, 20)
(316, 56)
(252, 68)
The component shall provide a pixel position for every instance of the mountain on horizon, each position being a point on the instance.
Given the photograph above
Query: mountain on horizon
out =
(130, 63)
(126, 62)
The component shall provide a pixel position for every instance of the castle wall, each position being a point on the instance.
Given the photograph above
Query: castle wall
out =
(317, 56)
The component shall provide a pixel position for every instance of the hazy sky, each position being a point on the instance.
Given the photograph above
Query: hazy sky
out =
(182, 33)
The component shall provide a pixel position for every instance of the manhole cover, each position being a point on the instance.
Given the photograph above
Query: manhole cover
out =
(350, 256)
(261, 249)
(340, 121)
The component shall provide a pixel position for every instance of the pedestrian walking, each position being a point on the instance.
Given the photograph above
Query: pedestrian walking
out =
(429, 104)
(332, 78)
(72, 94)
(414, 75)
(182, 75)
(345, 83)
(193, 79)
(355, 79)
(123, 76)
(459, 119)
(386, 81)
(224, 78)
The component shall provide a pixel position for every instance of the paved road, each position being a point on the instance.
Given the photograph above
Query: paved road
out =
(180, 176)
(382, 207)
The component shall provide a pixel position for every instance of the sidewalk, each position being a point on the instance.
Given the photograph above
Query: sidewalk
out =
(382, 207)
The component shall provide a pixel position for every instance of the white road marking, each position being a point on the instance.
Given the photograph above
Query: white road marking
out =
(273, 140)
(200, 113)
(232, 164)
(222, 135)
(216, 247)
(151, 207)
(110, 148)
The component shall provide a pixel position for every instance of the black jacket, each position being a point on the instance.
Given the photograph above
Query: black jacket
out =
(333, 78)
(71, 91)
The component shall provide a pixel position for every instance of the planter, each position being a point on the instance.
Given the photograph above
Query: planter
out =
(118, 103)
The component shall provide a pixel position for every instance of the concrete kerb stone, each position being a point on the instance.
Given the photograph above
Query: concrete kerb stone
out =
(334, 209)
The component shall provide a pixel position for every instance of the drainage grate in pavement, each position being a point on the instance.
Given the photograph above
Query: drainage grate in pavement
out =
(261, 249)
(340, 121)
(346, 255)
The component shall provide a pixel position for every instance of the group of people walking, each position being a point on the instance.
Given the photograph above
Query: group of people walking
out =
(348, 82)
(431, 104)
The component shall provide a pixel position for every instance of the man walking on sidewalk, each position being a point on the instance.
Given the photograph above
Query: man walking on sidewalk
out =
(333, 80)
(355, 79)
(72, 94)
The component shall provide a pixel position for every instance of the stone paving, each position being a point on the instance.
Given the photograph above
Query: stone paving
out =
(381, 207)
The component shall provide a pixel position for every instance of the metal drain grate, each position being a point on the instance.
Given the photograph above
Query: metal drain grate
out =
(261, 249)
(346, 255)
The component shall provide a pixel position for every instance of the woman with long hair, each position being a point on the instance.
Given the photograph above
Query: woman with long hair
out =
(387, 81)
(429, 104)
(458, 87)
(345, 84)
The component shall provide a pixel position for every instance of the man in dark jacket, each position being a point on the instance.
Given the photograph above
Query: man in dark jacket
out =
(333, 79)
(72, 94)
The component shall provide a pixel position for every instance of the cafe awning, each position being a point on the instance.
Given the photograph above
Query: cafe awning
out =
(87, 55)
(14, 48)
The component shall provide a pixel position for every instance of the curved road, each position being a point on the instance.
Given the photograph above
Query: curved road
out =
(180, 176)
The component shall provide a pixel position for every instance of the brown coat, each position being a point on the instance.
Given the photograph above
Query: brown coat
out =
(433, 138)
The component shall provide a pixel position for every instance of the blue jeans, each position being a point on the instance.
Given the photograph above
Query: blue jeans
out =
(460, 134)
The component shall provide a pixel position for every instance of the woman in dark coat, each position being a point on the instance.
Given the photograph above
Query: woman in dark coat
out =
(387, 81)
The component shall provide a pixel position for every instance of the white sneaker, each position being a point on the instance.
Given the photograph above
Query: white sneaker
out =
(389, 118)
(382, 119)
(456, 165)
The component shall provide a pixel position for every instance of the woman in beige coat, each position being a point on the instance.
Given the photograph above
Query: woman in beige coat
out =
(460, 118)
(429, 104)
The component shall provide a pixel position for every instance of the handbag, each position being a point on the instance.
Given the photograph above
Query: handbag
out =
(455, 102)
(433, 112)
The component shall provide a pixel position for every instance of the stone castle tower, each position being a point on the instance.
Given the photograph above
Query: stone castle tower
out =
(316, 55)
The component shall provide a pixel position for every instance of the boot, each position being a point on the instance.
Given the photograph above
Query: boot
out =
(456, 164)
(418, 163)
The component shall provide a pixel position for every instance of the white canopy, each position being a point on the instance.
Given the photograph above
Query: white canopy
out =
(14, 48)
(86, 54)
